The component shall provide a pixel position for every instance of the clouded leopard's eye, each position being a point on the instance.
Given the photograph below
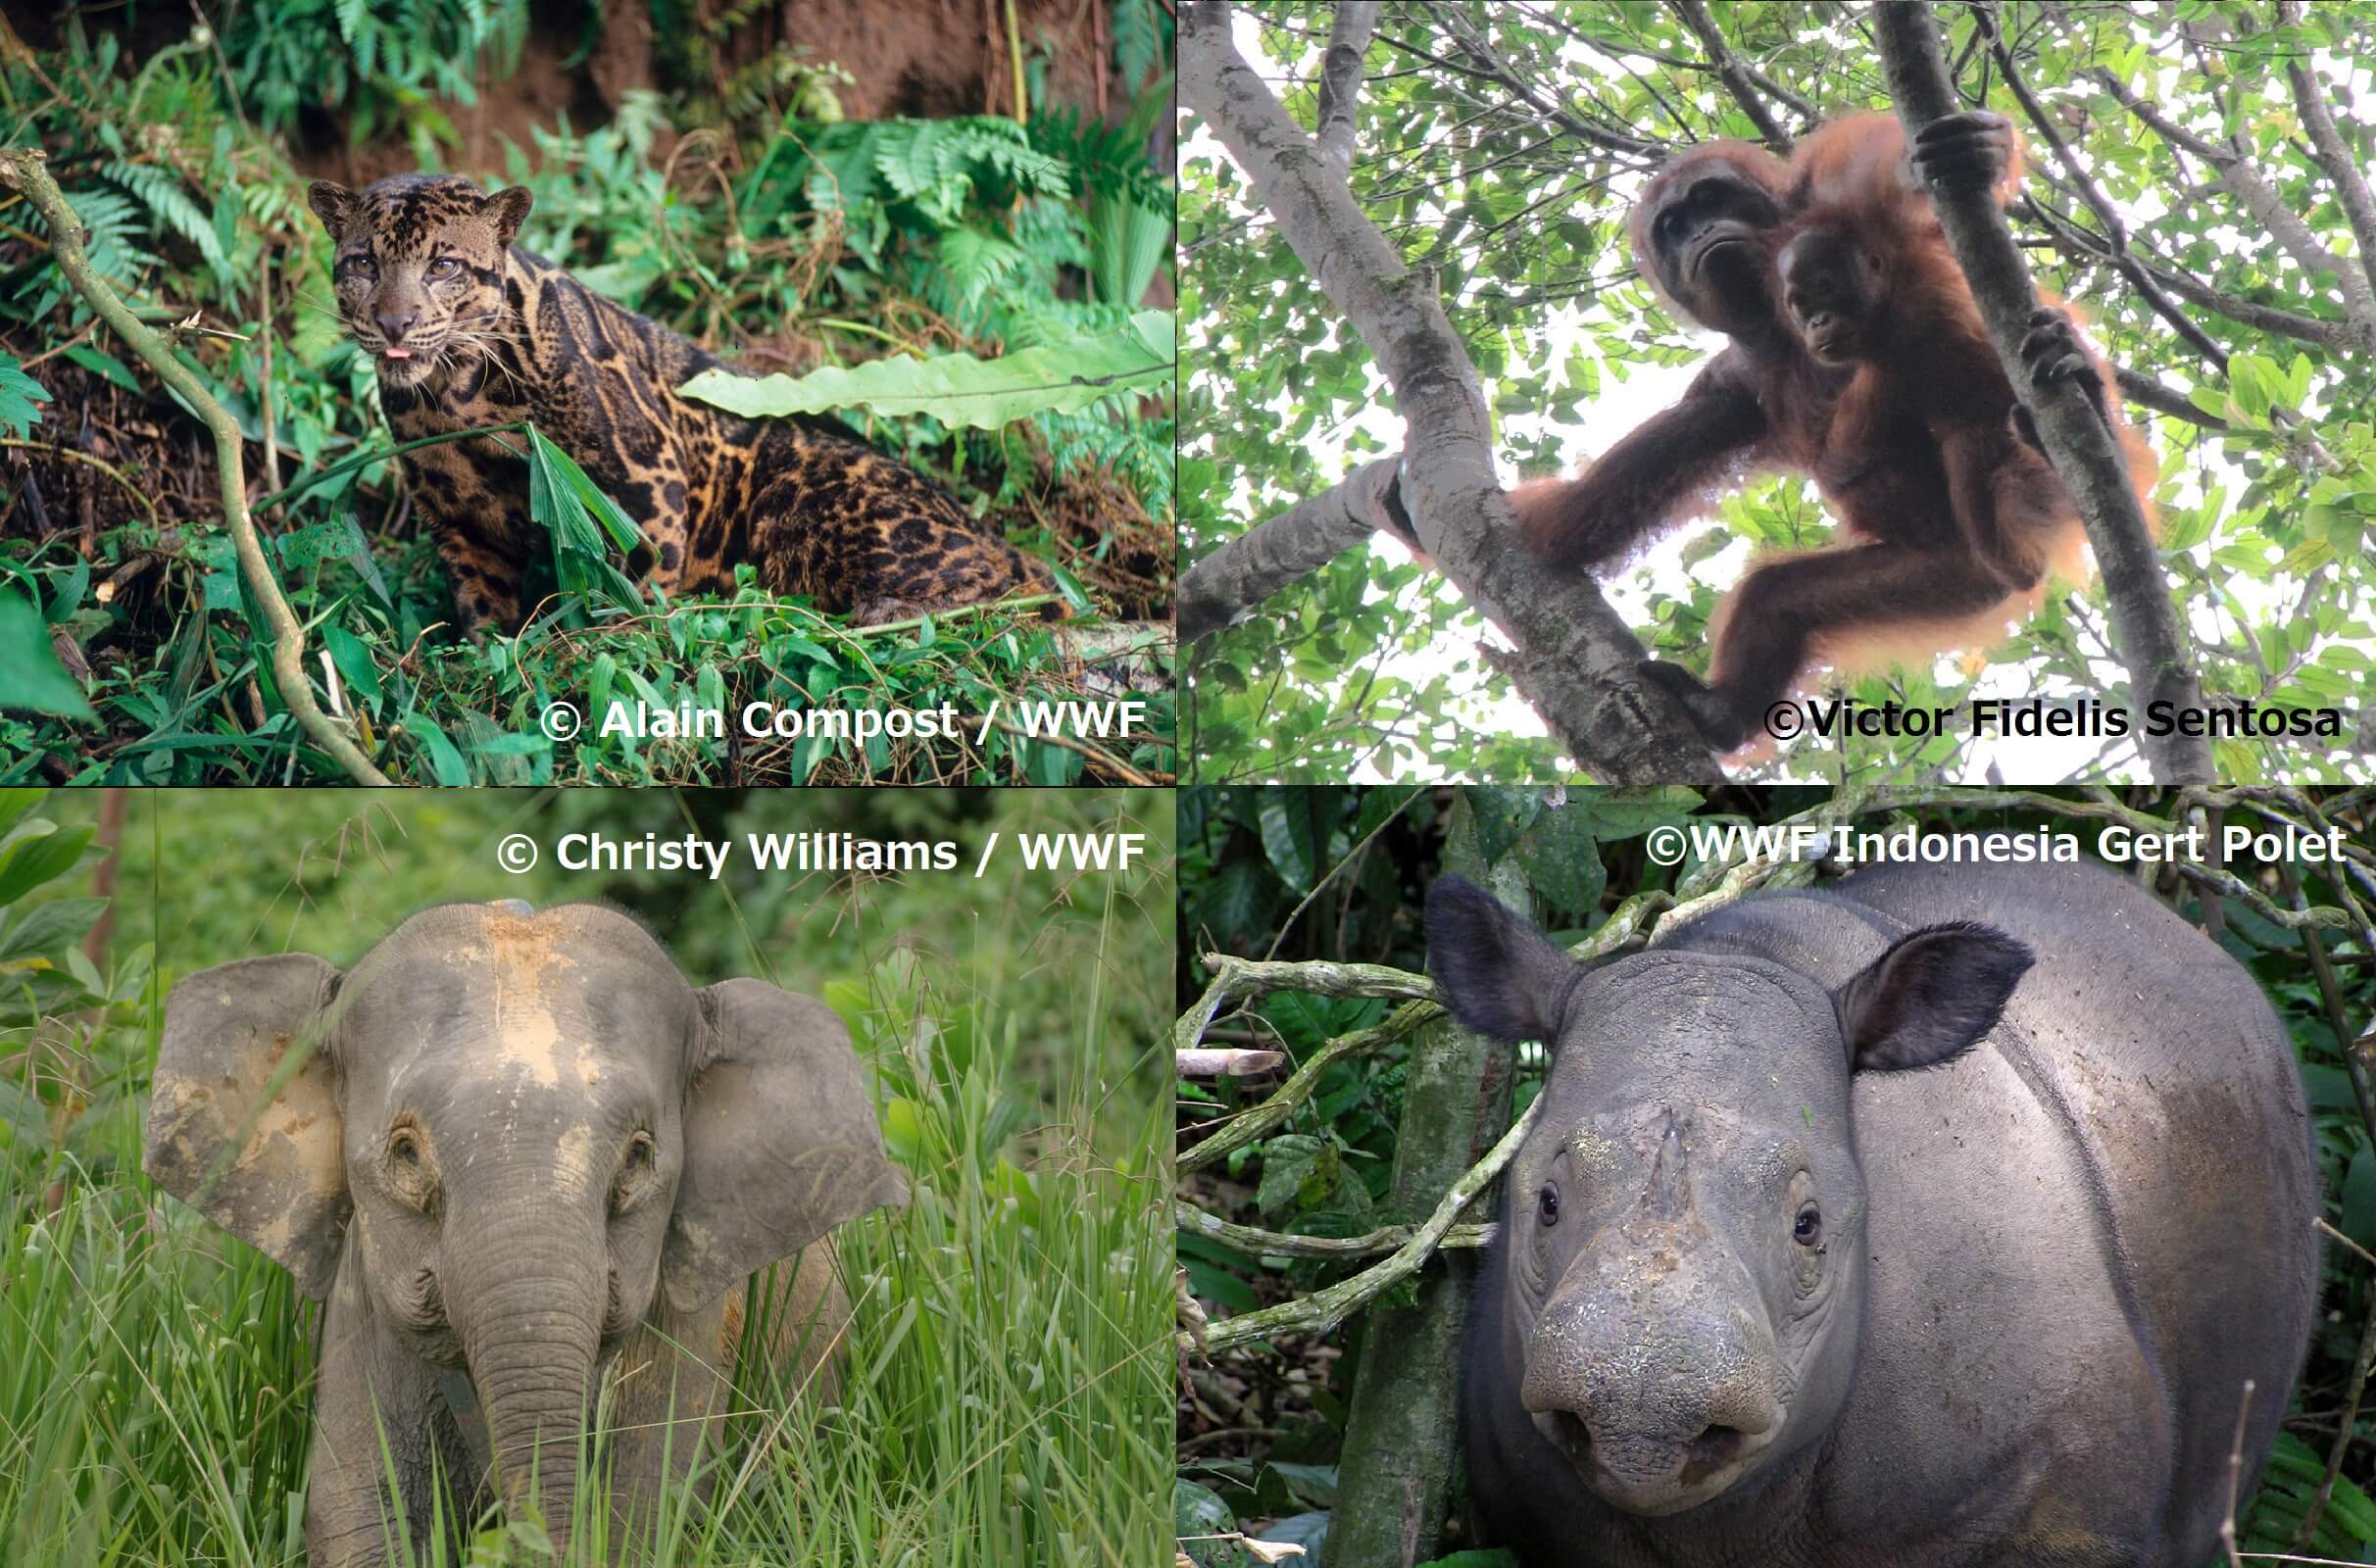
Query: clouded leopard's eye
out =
(444, 267)
(362, 267)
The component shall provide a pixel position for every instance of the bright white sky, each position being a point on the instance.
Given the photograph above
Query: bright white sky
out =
(1623, 405)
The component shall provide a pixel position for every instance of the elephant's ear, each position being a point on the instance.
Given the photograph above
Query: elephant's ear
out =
(781, 1142)
(243, 1119)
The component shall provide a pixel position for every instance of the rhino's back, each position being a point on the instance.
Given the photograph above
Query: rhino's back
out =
(2086, 1234)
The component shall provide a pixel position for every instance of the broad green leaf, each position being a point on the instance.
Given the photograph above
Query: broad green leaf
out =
(960, 390)
(31, 679)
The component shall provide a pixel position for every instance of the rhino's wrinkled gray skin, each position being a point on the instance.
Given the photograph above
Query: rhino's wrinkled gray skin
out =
(1932, 1220)
(516, 1154)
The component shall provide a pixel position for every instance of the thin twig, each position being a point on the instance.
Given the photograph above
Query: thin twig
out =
(1325, 1309)
(1737, 81)
(1225, 1062)
(147, 507)
(1255, 1242)
(2115, 230)
(2227, 1524)
(24, 169)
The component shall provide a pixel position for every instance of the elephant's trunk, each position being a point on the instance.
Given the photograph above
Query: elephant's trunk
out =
(531, 1328)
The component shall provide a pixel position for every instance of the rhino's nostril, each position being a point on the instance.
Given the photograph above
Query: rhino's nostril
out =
(1568, 1430)
(1711, 1450)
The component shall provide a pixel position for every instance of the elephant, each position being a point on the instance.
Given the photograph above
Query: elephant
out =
(1939, 1217)
(519, 1159)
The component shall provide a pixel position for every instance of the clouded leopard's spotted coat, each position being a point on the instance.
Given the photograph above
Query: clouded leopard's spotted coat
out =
(466, 330)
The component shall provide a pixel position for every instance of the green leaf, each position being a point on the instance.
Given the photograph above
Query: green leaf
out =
(2360, 1199)
(1198, 1517)
(353, 658)
(38, 852)
(31, 679)
(1288, 839)
(19, 392)
(1502, 814)
(1290, 1161)
(960, 390)
(572, 509)
(50, 929)
(1562, 857)
(445, 763)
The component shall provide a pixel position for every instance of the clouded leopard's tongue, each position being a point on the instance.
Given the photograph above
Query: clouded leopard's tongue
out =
(395, 353)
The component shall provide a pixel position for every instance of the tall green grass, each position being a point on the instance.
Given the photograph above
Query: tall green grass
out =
(1007, 1375)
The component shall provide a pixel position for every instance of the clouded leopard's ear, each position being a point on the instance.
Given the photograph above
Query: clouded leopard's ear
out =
(507, 209)
(332, 203)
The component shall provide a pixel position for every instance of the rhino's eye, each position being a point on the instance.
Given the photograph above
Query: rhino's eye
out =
(1808, 1229)
(1547, 1204)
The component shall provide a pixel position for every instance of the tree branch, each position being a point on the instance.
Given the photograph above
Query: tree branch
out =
(2340, 336)
(1255, 1243)
(1577, 661)
(2143, 390)
(21, 168)
(1341, 81)
(2078, 442)
(1729, 71)
(1325, 1309)
(1225, 586)
(2267, 207)
(2332, 153)
(2115, 230)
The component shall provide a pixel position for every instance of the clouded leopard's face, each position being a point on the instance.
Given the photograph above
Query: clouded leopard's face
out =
(418, 270)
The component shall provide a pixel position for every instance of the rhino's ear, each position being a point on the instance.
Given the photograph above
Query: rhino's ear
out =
(1493, 969)
(1929, 998)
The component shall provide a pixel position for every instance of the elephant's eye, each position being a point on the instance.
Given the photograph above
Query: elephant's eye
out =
(412, 1167)
(1808, 1229)
(635, 1164)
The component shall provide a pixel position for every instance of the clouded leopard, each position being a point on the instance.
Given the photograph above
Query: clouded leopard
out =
(466, 329)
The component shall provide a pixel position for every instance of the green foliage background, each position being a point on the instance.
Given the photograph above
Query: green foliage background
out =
(1512, 179)
(1008, 1366)
(1341, 875)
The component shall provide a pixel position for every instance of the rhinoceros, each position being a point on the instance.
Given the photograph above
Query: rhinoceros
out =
(1934, 1219)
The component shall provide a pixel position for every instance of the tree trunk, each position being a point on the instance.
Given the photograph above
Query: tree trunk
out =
(1396, 1473)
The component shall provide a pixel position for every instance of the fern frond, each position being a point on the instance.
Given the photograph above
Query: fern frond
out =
(170, 207)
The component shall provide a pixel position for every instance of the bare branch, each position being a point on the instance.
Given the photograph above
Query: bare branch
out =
(1579, 662)
(1325, 1309)
(1225, 1062)
(1226, 586)
(2143, 390)
(2077, 441)
(1255, 1242)
(2340, 336)
(2267, 207)
(1729, 71)
(2332, 153)
(2114, 228)
(1341, 81)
